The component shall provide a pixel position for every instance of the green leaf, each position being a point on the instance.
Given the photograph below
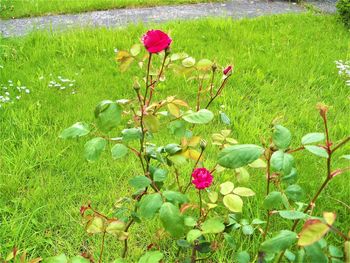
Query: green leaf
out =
(94, 148)
(243, 257)
(119, 151)
(291, 177)
(152, 123)
(131, 134)
(294, 192)
(233, 202)
(158, 174)
(177, 128)
(292, 215)
(335, 252)
(190, 221)
(257, 221)
(247, 230)
(316, 150)
(78, 129)
(282, 162)
(188, 62)
(347, 156)
(172, 219)
(140, 182)
(56, 259)
(108, 115)
(237, 156)
(151, 257)
(183, 243)
(314, 253)
(273, 200)
(212, 226)
(115, 227)
(312, 138)
(150, 204)
(283, 240)
(243, 191)
(281, 137)
(226, 188)
(225, 119)
(173, 148)
(176, 198)
(192, 235)
(230, 240)
(202, 116)
(79, 259)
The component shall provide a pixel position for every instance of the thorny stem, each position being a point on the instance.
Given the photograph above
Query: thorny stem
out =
(199, 93)
(102, 246)
(297, 149)
(212, 83)
(346, 140)
(177, 179)
(158, 78)
(217, 92)
(268, 172)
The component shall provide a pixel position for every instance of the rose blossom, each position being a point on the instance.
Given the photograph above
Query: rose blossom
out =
(202, 178)
(156, 41)
(227, 70)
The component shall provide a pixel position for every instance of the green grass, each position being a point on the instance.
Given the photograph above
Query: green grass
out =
(284, 65)
(29, 8)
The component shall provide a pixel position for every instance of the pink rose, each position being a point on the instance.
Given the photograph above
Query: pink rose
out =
(227, 70)
(202, 178)
(156, 41)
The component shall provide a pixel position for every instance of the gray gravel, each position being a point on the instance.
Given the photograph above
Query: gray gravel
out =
(121, 17)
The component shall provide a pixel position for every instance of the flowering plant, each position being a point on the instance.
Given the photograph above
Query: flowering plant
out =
(199, 210)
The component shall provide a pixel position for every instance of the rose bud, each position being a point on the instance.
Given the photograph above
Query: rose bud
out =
(228, 70)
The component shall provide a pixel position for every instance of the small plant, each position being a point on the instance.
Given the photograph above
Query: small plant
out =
(343, 8)
(180, 182)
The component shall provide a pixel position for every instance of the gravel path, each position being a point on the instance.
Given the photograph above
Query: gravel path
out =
(121, 17)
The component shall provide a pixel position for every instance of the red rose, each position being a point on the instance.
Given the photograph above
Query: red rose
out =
(156, 41)
(202, 178)
(227, 70)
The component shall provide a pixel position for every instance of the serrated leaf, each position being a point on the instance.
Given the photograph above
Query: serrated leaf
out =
(273, 200)
(192, 235)
(236, 156)
(283, 240)
(312, 138)
(329, 217)
(115, 227)
(135, 50)
(202, 116)
(204, 64)
(313, 230)
(95, 225)
(108, 115)
(151, 257)
(119, 151)
(281, 137)
(172, 220)
(242, 175)
(93, 148)
(292, 215)
(294, 192)
(316, 150)
(243, 257)
(282, 162)
(226, 188)
(173, 109)
(152, 123)
(176, 198)
(190, 221)
(78, 129)
(131, 134)
(150, 204)
(212, 226)
(140, 182)
(233, 202)
(243, 191)
(258, 164)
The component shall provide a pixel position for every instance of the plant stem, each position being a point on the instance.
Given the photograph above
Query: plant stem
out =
(346, 140)
(194, 167)
(193, 256)
(199, 93)
(102, 246)
(268, 172)
(200, 203)
(147, 77)
(125, 250)
(217, 92)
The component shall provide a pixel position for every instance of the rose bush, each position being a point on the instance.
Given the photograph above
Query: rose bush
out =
(200, 212)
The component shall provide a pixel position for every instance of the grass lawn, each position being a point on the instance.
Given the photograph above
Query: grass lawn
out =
(25, 8)
(284, 65)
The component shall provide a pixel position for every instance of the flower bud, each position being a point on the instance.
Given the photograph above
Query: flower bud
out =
(214, 67)
(203, 144)
(136, 84)
(228, 70)
(323, 109)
